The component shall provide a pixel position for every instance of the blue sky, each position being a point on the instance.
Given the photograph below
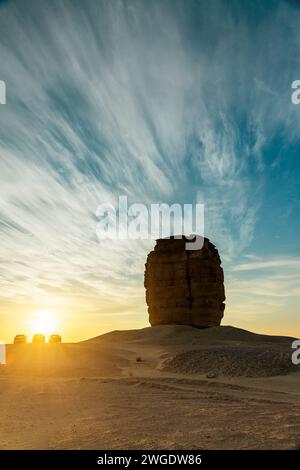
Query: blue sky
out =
(163, 101)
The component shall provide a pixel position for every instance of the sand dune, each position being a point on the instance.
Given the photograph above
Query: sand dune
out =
(224, 350)
(184, 335)
(162, 387)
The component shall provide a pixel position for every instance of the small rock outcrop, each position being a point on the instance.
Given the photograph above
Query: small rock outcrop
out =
(184, 286)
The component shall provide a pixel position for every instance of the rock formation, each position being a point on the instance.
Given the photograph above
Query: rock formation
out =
(184, 286)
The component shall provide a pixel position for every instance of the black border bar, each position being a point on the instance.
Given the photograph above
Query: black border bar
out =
(144, 458)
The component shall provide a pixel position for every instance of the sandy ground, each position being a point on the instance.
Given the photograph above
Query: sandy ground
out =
(97, 395)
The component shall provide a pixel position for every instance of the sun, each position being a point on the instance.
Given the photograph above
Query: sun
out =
(44, 323)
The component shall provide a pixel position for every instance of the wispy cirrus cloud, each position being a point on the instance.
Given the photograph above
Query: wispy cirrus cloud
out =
(288, 262)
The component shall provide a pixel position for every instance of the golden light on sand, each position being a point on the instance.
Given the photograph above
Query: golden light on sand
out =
(44, 323)
(2, 353)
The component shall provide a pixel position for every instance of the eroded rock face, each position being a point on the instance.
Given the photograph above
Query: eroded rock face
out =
(184, 286)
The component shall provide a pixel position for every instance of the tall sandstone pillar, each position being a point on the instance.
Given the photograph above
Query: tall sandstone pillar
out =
(184, 286)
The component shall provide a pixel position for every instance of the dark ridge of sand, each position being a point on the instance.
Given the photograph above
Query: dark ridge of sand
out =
(232, 361)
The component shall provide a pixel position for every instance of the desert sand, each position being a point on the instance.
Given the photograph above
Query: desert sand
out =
(165, 387)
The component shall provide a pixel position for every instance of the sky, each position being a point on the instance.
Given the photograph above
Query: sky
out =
(180, 101)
